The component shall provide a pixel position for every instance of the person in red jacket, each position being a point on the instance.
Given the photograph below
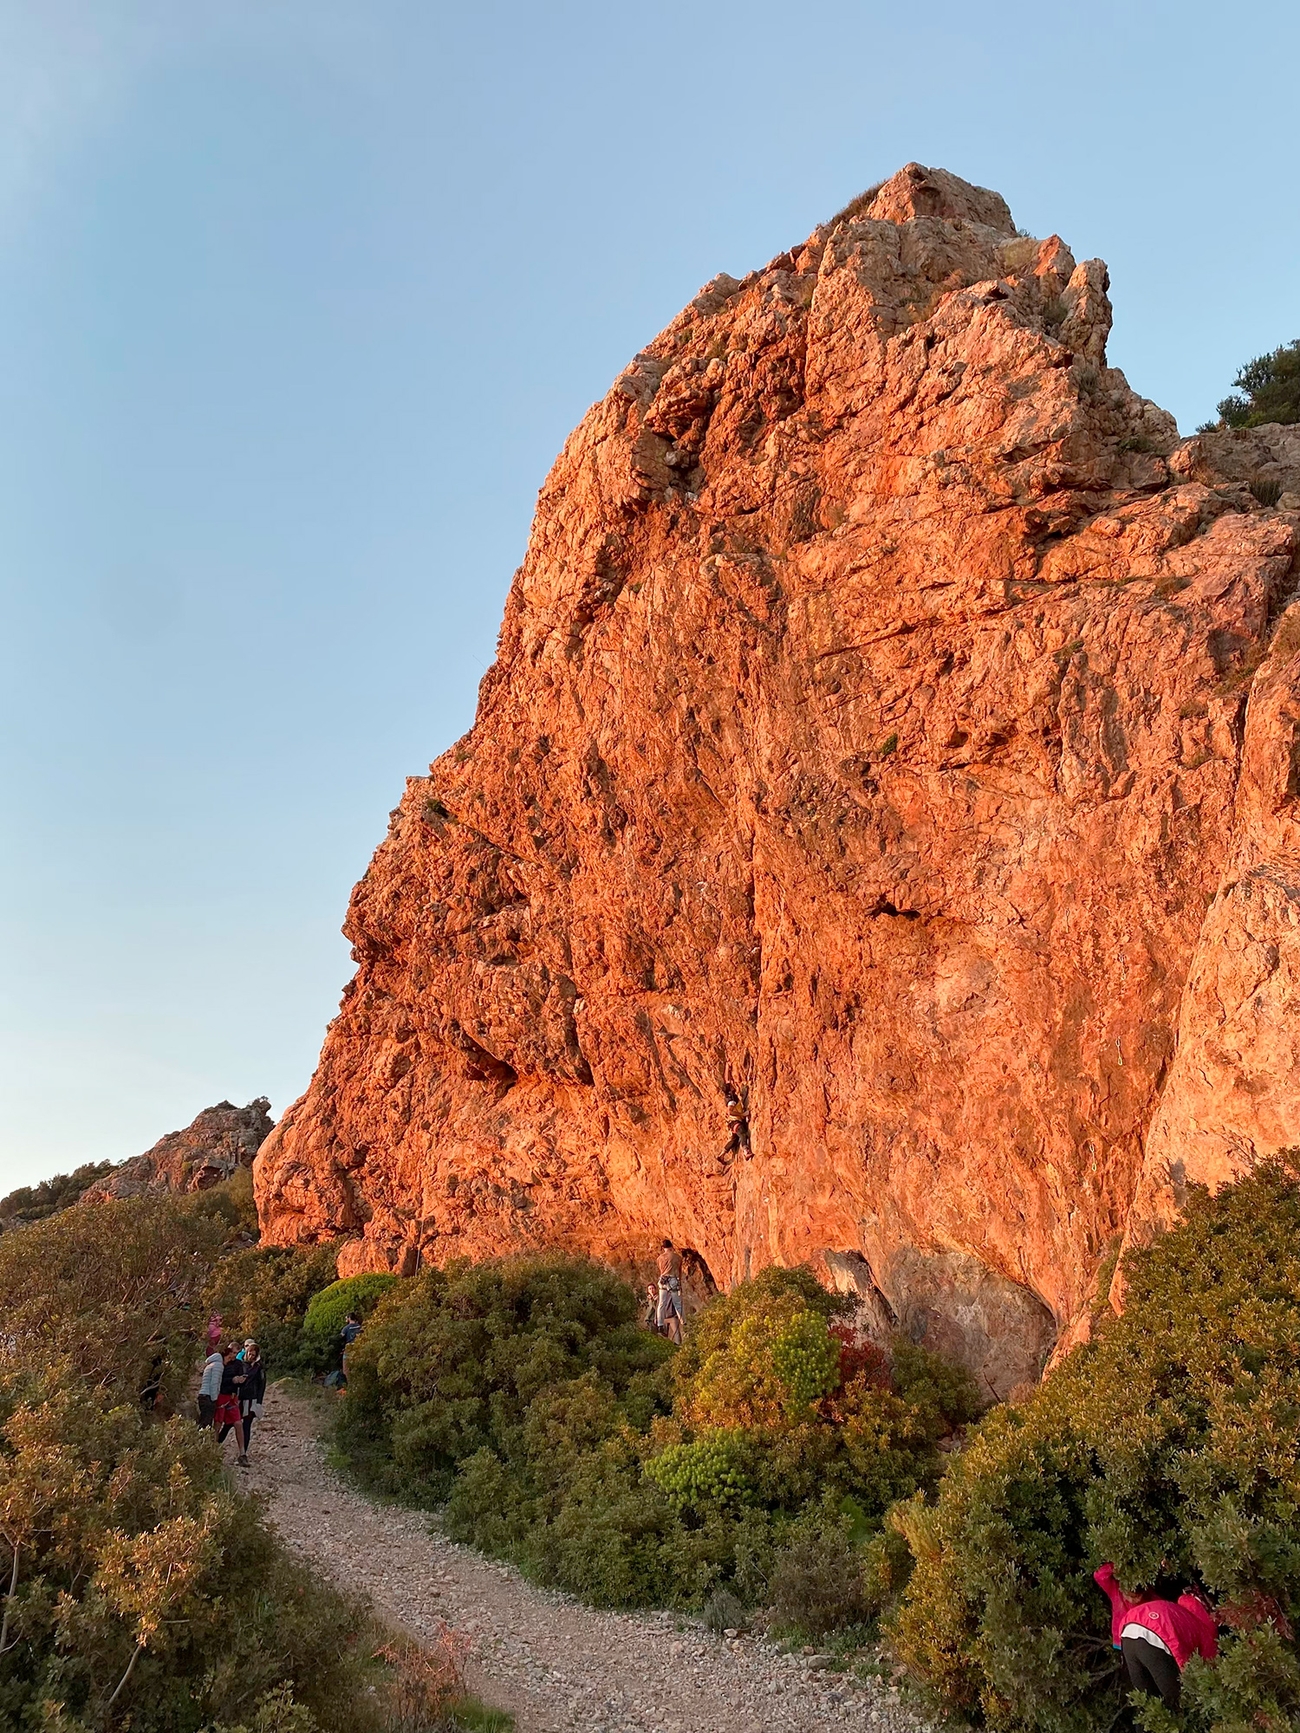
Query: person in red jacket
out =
(1157, 1638)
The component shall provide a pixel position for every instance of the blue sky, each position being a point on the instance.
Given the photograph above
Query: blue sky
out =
(297, 303)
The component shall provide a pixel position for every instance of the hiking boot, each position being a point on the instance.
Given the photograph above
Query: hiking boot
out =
(242, 1460)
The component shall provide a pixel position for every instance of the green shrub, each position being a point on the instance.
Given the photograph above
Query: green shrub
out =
(328, 1311)
(760, 1355)
(121, 1531)
(612, 1537)
(137, 1588)
(817, 1584)
(524, 1394)
(601, 1530)
(1170, 1445)
(111, 1289)
(33, 1203)
(941, 1393)
(230, 1202)
(871, 1447)
(148, 1593)
(714, 1469)
(264, 1292)
(1267, 390)
(451, 1364)
(767, 1365)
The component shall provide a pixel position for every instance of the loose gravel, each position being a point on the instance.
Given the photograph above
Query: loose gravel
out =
(554, 1663)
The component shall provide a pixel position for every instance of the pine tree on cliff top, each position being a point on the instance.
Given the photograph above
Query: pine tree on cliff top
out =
(1266, 390)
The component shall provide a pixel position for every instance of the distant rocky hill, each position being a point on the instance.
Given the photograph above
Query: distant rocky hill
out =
(33, 1203)
(219, 1140)
(878, 842)
(210, 1149)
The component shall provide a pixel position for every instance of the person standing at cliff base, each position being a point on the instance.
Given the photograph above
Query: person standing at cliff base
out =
(670, 1292)
(1157, 1638)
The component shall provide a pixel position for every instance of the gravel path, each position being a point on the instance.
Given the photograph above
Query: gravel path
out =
(555, 1664)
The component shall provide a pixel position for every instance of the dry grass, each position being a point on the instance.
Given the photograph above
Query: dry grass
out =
(424, 1690)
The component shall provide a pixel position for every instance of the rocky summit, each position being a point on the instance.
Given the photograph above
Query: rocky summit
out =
(877, 845)
(211, 1148)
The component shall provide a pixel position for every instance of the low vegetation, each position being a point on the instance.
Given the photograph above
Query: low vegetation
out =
(561, 1435)
(329, 1310)
(34, 1203)
(138, 1589)
(264, 1292)
(287, 1298)
(1171, 1445)
(775, 1469)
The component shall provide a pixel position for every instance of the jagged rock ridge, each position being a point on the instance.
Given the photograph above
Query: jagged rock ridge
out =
(218, 1141)
(878, 829)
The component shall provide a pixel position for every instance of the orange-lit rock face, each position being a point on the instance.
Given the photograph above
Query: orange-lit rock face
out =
(865, 742)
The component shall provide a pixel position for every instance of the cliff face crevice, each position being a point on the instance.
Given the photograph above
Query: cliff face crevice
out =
(876, 844)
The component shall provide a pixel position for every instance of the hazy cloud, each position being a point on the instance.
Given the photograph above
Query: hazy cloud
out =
(67, 67)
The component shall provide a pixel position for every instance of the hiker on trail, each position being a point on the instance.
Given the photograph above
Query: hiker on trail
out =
(1157, 1638)
(151, 1394)
(228, 1419)
(210, 1387)
(214, 1333)
(669, 1316)
(252, 1394)
(652, 1307)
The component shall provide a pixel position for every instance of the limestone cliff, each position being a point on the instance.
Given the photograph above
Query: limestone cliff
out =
(879, 826)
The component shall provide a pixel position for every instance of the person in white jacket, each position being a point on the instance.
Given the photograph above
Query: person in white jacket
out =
(210, 1387)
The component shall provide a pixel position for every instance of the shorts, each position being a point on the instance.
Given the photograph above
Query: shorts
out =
(227, 1412)
(670, 1304)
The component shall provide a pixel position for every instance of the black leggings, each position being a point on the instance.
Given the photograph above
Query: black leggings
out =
(1152, 1670)
(245, 1432)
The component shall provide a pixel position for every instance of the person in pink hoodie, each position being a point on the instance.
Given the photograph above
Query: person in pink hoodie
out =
(1157, 1638)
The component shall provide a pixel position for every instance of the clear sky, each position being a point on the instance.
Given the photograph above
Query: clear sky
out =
(298, 300)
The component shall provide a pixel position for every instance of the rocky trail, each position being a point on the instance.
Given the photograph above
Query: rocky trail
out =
(553, 1663)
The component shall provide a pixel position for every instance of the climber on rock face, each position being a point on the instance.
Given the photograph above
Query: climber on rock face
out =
(737, 1123)
(670, 1292)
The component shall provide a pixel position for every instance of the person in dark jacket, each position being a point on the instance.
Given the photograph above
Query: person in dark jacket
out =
(347, 1336)
(252, 1394)
(227, 1418)
(1157, 1638)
